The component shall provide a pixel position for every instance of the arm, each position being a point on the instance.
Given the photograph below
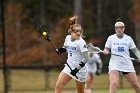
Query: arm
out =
(106, 51)
(63, 49)
(83, 61)
(107, 48)
(81, 64)
(60, 50)
(136, 52)
(99, 65)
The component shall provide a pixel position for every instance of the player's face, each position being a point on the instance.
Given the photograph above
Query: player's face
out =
(119, 30)
(76, 34)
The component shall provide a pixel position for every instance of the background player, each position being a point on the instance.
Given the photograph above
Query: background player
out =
(94, 67)
(120, 44)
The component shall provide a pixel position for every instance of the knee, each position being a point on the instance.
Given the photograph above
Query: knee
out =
(135, 85)
(114, 85)
(58, 88)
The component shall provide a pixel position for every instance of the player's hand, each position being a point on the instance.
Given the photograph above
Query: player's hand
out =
(74, 71)
(138, 60)
(98, 72)
(60, 50)
(106, 52)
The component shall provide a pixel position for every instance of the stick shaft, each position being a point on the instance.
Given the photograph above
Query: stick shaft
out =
(48, 38)
(101, 51)
(121, 56)
(62, 57)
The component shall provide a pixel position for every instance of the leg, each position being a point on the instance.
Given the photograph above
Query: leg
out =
(132, 79)
(62, 80)
(89, 83)
(114, 80)
(80, 86)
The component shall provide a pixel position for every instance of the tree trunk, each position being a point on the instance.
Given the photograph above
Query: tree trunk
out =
(137, 32)
(18, 28)
(42, 14)
(78, 9)
(99, 16)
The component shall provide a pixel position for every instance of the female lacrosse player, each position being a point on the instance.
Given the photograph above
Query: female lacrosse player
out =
(120, 43)
(94, 66)
(77, 58)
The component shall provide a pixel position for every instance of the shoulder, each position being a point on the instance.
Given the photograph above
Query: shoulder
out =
(112, 36)
(68, 36)
(81, 40)
(127, 37)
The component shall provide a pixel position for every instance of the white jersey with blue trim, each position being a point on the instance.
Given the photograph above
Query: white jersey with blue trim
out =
(120, 46)
(75, 49)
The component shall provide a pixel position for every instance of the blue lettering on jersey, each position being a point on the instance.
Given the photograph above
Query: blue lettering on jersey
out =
(70, 52)
(71, 47)
(120, 44)
(120, 49)
(85, 46)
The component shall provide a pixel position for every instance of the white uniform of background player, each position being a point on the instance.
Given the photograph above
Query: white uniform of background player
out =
(120, 47)
(94, 66)
(75, 56)
(94, 60)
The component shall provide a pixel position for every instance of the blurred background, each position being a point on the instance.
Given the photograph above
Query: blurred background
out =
(30, 63)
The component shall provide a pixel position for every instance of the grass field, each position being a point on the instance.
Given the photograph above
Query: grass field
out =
(39, 80)
(95, 91)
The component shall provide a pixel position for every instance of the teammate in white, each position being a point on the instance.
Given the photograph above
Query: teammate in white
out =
(77, 58)
(120, 44)
(94, 67)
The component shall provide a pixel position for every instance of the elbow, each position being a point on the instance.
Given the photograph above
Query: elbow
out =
(86, 59)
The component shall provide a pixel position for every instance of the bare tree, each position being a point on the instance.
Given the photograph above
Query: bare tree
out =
(78, 9)
(135, 15)
(99, 16)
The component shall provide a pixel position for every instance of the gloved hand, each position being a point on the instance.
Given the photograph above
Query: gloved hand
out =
(74, 71)
(98, 72)
(60, 50)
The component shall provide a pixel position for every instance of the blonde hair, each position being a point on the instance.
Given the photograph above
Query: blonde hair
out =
(76, 27)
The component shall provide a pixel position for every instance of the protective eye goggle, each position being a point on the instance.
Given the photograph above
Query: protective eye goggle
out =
(76, 31)
(119, 27)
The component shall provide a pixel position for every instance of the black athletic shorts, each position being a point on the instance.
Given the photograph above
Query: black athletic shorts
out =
(124, 73)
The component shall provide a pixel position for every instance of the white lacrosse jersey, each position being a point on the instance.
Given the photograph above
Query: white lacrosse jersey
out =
(92, 63)
(75, 49)
(120, 46)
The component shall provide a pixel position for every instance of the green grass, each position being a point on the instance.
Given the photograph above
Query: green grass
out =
(95, 91)
(40, 80)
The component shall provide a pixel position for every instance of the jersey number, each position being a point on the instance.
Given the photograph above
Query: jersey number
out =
(120, 49)
(70, 53)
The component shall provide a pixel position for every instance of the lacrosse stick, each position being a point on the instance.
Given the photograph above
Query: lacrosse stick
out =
(44, 32)
(94, 49)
